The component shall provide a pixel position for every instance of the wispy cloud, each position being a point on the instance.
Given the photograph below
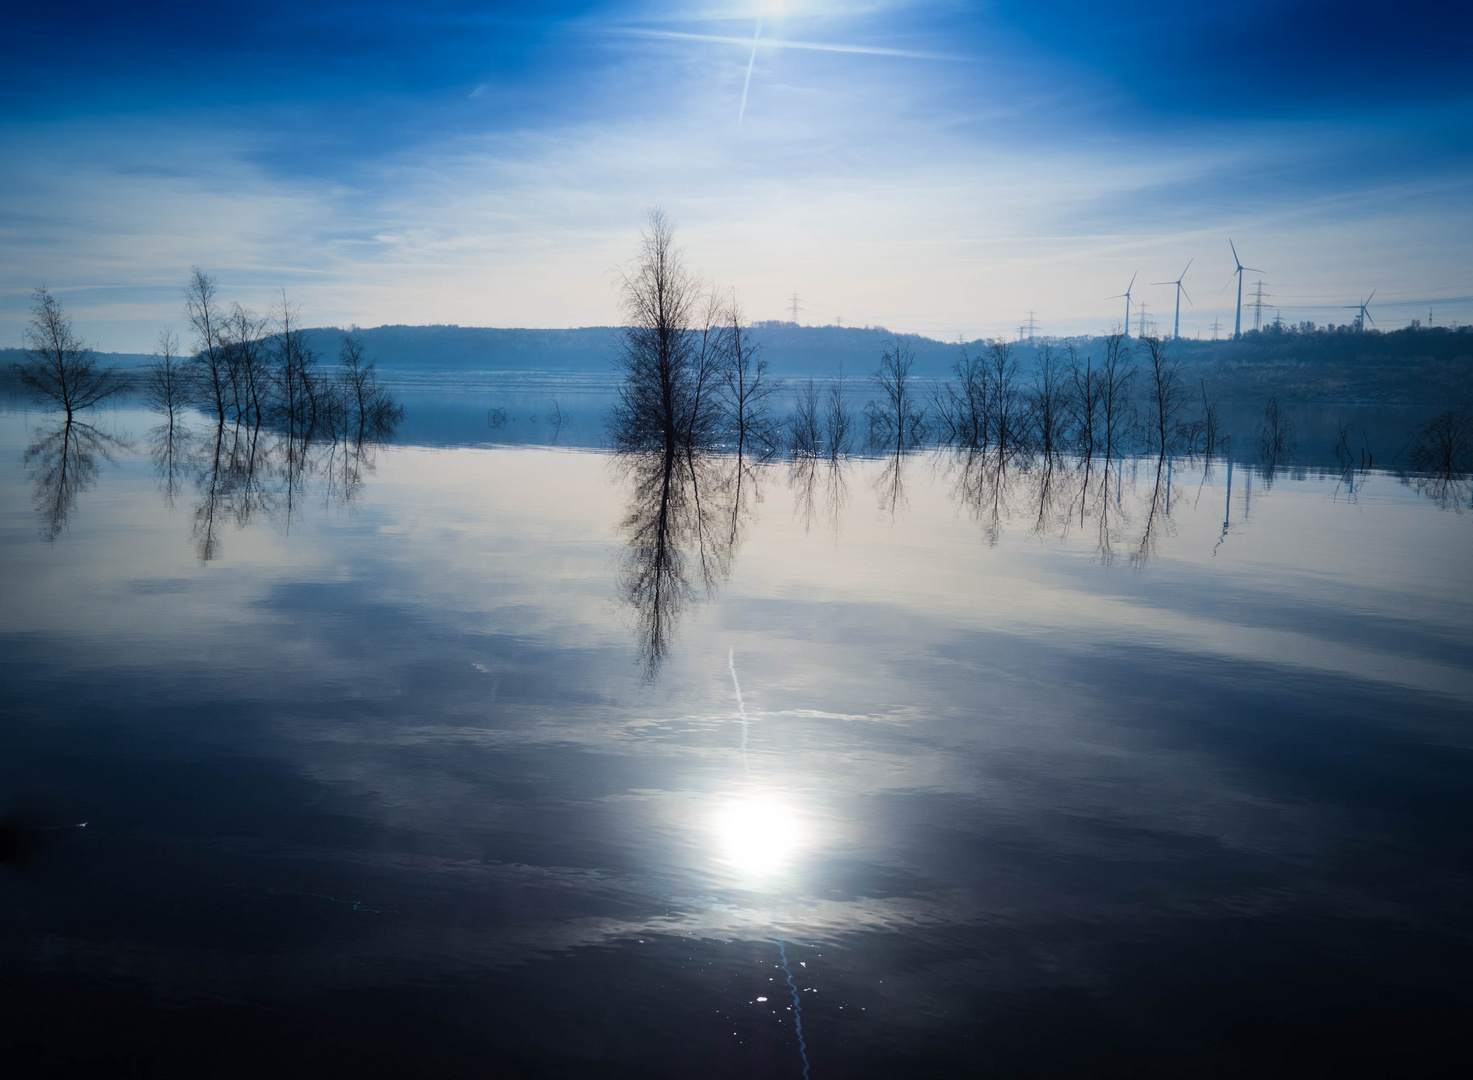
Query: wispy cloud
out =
(782, 43)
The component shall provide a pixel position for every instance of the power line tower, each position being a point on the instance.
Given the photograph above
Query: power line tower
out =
(1032, 326)
(797, 307)
(1258, 297)
(1142, 331)
(1215, 328)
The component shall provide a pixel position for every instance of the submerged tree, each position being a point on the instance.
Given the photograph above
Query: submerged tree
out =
(1116, 413)
(663, 401)
(838, 419)
(805, 425)
(1275, 434)
(1166, 397)
(1048, 401)
(166, 385)
(897, 419)
(211, 368)
(1006, 413)
(750, 423)
(59, 369)
(1444, 445)
(1083, 403)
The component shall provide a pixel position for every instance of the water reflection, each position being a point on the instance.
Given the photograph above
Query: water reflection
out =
(820, 488)
(758, 837)
(681, 527)
(963, 762)
(244, 470)
(1056, 496)
(62, 462)
(169, 450)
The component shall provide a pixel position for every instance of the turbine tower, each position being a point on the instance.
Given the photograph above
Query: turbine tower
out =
(1126, 294)
(1363, 315)
(1238, 318)
(1180, 289)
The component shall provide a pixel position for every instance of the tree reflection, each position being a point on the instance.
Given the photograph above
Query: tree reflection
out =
(169, 449)
(682, 526)
(983, 485)
(820, 488)
(1048, 494)
(62, 461)
(1158, 513)
(244, 470)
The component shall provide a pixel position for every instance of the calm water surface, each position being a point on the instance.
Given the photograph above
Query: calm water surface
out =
(521, 760)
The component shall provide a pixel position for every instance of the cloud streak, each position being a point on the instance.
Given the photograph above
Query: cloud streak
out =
(781, 43)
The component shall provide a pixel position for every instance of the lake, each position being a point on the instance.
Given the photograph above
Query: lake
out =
(486, 752)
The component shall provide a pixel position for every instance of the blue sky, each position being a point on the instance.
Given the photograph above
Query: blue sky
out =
(943, 168)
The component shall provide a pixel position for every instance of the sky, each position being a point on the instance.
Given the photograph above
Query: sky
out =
(939, 168)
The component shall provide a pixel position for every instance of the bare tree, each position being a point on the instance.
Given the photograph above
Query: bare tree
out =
(59, 368)
(1444, 445)
(660, 402)
(898, 418)
(1004, 400)
(245, 355)
(1084, 402)
(805, 428)
(1208, 438)
(1166, 396)
(1116, 374)
(839, 420)
(1275, 434)
(294, 376)
(1048, 403)
(166, 386)
(211, 365)
(710, 345)
(748, 390)
(369, 411)
(962, 408)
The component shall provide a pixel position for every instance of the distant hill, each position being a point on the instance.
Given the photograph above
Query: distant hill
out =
(1424, 366)
(788, 348)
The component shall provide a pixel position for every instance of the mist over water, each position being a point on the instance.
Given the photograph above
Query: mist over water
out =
(512, 755)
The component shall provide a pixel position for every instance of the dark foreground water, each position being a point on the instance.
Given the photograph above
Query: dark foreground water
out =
(508, 760)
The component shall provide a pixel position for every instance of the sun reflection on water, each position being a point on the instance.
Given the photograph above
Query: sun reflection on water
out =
(759, 837)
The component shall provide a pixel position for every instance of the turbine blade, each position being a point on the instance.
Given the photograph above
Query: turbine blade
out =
(1373, 293)
(1254, 270)
(1188, 267)
(1131, 285)
(1184, 292)
(1235, 254)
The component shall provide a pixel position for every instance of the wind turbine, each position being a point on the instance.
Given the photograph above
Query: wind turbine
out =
(1238, 318)
(1360, 320)
(1180, 289)
(1126, 294)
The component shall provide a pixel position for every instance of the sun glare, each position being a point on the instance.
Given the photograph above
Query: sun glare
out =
(759, 837)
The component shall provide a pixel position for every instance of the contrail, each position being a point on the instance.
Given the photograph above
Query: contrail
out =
(741, 113)
(741, 705)
(797, 1008)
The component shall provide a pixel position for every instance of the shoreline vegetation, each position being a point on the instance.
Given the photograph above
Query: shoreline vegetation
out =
(691, 375)
(1413, 365)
